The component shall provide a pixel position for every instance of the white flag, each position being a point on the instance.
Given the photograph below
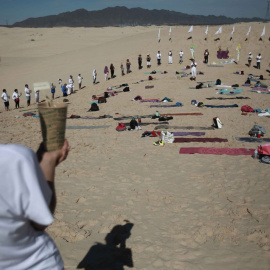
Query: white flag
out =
(219, 31)
(232, 31)
(249, 31)
(190, 29)
(170, 31)
(206, 31)
(263, 32)
(159, 34)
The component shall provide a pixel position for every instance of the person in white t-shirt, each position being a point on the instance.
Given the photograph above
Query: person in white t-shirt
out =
(158, 58)
(27, 204)
(69, 89)
(27, 94)
(249, 59)
(94, 74)
(259, 58)
(193, 66)
(181, 54)
(16, 98)
(71, 82)
(80, 81)
(170, 57)
(37, 96)
(4, 96)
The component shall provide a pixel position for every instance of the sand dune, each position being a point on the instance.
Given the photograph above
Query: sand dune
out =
(175, 211)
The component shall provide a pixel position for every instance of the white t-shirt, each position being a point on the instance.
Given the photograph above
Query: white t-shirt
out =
(70, 81)
(5, 96)
(181, 54)
(24, 197)
(27, 91)
(158, 55)
(259, 57)
(193, 64)
(36, 94)
(79, 79)
(69, 87)
(15, 95)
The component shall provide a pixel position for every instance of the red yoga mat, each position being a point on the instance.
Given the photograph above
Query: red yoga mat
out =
(216, 151)
(183, 140)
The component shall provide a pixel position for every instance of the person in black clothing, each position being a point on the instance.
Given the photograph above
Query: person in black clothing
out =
(140, 61)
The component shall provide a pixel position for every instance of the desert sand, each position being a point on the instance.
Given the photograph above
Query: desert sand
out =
(168, 210)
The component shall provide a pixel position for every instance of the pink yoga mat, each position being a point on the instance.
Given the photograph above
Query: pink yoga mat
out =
(216, 151)
(183, 140)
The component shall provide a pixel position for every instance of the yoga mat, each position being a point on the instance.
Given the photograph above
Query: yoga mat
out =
(216, 151)
(133, 116)
(251, 139)
(215, 65)
(187, 140)
(164, 106)
(230, 92)
(149, 123)
(85, 127)
(149, 86)
(152, 73)
(183, 127)
(182, 133)
(221, 106)
(150, 100)
(223, 98)
(164, 114)
(259, 91)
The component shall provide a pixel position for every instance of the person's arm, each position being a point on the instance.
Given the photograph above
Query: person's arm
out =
(48, 163)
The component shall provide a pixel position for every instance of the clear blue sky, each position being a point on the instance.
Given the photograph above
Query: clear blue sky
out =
(17, 10)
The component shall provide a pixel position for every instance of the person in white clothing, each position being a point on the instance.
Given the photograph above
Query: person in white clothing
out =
(170, 57)
(80, 81)
(5, 97)
(259, 58)
(27, 94)
(60, 83)
(71, 82)
(193, 66)
(16, 98)
(158, 58)
(249, 59)
(27, 204)
(94, 74)
(37, 96)
(69, 89)
(181, 54)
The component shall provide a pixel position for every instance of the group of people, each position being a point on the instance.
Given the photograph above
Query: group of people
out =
(258, 60)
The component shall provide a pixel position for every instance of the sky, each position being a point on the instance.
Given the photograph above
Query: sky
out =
(12, 11)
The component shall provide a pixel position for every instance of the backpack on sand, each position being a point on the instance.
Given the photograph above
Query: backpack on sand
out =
(121, 127)
(217, 123)
(126, 89)
(133, 124)
(218, 82)
(255, 130)
(246, 108)
(102, 100)
(265, 159)
(94, 107)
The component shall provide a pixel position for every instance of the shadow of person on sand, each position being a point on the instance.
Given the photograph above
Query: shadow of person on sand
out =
(113, 255)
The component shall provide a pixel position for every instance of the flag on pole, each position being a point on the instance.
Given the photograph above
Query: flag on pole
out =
(263, 32)
(159, 35)
(190, 29)
(232, 31)
(219, 31)
(206, 31)
(170, 31)
(249, 31)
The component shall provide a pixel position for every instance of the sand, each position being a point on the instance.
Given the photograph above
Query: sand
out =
(169, 211)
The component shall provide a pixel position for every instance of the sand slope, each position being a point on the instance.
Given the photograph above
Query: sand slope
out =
(176, 211)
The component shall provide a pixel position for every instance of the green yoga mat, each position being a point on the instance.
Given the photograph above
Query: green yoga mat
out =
(85, 127)
(152, 73)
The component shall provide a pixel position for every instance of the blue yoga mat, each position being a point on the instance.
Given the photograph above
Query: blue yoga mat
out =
(221, 106)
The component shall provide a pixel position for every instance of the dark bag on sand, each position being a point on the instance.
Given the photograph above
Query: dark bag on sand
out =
(102, 100)
(218, 82)
(106, 95)
(199, 86)
(150, 78)
(133, 123)
(121, 127)
(200, 104)
(255, 130)
(94, 107)
(126, 89)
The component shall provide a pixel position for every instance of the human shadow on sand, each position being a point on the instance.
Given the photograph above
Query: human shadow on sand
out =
(110, 256)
